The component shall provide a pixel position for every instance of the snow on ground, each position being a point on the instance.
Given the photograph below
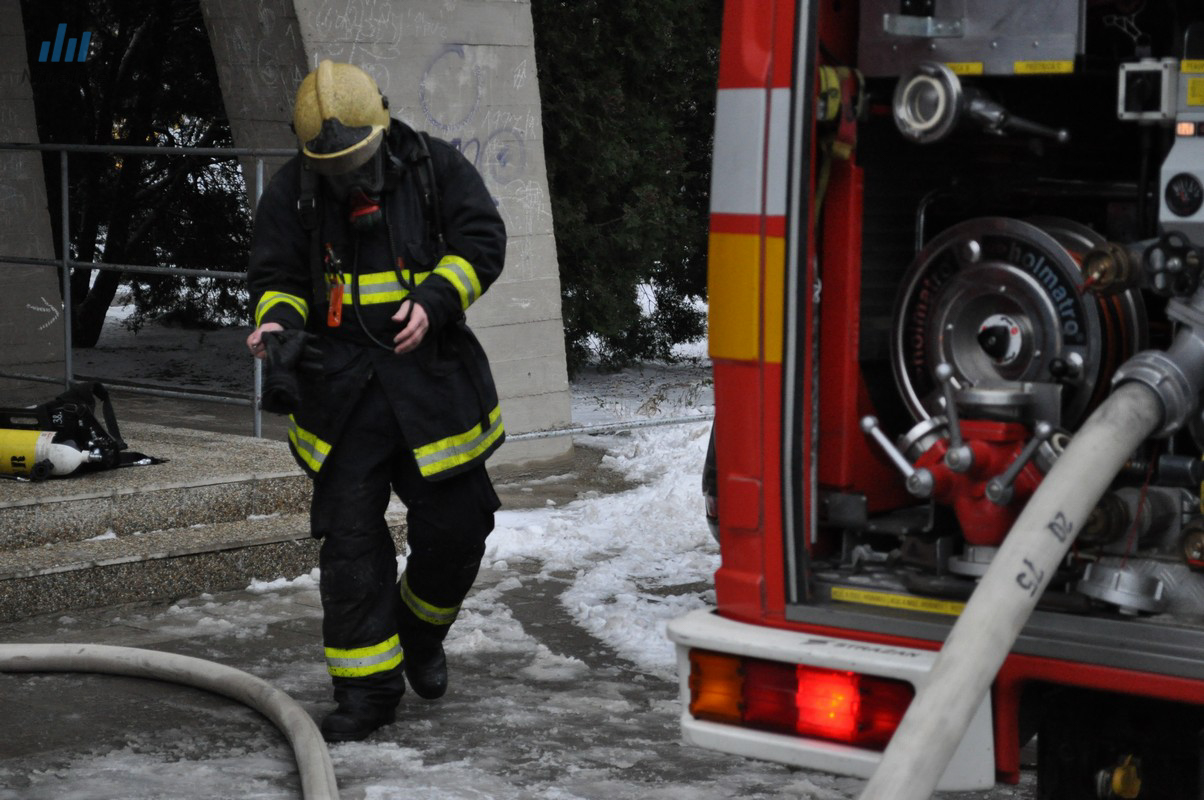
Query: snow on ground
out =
(624, 549)
(573, 691)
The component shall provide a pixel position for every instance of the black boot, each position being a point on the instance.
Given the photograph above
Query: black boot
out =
(426, 670)
(352, 722)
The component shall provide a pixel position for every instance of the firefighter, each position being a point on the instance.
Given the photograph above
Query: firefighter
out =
(368, 247)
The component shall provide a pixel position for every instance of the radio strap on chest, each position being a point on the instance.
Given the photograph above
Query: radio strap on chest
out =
(429, 186)
(307, 208)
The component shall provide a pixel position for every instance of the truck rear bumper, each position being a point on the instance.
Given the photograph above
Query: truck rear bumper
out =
(973, 764)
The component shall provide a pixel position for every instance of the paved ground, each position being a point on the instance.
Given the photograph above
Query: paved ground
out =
(541, 710)
(538, 707)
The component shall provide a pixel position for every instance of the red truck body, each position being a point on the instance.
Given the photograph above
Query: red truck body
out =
(902, 188)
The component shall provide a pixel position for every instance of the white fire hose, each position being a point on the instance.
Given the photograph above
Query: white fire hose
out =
(1156, 394)
(980, 640)
(313, 759)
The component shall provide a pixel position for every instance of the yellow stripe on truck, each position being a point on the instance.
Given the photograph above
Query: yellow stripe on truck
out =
(733, 295)
(734, 292)
(775, 297)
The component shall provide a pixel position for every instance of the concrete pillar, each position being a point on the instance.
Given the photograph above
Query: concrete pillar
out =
(463, 70)
(31, 308)
(260, 63)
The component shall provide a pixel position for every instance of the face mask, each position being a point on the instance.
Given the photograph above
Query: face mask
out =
(360, 189)
(363, 211)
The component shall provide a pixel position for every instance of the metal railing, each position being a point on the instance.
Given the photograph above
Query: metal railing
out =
(611, 427)
(65, 263)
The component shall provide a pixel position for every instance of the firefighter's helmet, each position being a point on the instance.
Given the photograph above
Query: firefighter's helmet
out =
(340, 117)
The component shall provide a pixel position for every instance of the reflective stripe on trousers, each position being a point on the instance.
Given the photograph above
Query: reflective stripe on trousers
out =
(359, 662)
(427, 612)
(312, 450)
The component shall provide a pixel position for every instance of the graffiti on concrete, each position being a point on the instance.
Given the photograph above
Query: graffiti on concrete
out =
(444, 71)
(450, 59)
(11, 81)
(47, 307)
(378, 21)
(261, 50)
(457, 103)
(374, 34)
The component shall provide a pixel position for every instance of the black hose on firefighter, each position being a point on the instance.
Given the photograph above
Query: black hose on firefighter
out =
(313, 760)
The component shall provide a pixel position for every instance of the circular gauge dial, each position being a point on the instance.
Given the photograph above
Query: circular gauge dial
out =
(1184, 194)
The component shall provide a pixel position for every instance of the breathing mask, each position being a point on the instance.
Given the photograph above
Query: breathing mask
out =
(360, 191)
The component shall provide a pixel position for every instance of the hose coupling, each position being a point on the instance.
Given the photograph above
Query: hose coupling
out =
(1161, 373)
(1176, 375)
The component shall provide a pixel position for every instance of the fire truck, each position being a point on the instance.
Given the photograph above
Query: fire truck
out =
(944, 234)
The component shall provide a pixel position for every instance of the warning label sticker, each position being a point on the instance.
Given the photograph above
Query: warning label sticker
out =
(904, 602)
(1043, 67)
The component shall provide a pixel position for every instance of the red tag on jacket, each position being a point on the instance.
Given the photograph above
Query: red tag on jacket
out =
(334, 316)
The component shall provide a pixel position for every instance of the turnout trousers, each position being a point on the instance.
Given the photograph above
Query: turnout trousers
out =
(370, 618)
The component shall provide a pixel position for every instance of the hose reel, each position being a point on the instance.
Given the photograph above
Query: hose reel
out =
(1002, 302)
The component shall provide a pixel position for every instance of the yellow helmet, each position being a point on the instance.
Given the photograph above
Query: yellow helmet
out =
(340, 117)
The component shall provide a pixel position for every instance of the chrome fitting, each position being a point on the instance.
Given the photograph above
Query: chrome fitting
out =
(1176, 375)
(1168, 380)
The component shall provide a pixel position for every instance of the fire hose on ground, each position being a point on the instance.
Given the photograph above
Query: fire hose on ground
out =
(313, 759)
(1156, 393)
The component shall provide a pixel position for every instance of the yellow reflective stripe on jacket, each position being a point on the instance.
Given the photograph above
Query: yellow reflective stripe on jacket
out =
(425, 611)
(459, 449)
(310, 448)
(271, 299)
(380, 287)
(374, 287)
(460, 274)
(361, 661)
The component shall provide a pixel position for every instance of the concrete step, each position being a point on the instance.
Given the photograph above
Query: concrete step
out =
(220, 511)
(208, 478)
(159, 565)
(224, 509)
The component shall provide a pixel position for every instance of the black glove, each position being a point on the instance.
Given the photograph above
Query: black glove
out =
(288, 354)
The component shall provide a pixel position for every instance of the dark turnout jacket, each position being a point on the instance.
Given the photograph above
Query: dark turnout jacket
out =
(442, 393)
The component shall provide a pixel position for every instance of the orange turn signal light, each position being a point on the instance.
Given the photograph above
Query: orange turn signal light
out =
(716, 684)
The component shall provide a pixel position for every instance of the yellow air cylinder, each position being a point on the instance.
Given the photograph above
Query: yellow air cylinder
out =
(34, 454)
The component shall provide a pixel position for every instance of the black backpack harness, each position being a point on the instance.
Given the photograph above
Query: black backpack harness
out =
(309, 210)
(422, 166)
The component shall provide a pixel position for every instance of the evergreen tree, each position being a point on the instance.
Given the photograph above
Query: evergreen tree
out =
(149, 79)
(628, 92)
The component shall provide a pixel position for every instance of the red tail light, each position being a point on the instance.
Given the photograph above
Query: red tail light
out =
(846, 707)
(828, 704)
(769, 690)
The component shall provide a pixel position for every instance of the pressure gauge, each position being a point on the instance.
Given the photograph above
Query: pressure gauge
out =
(1184, 194)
